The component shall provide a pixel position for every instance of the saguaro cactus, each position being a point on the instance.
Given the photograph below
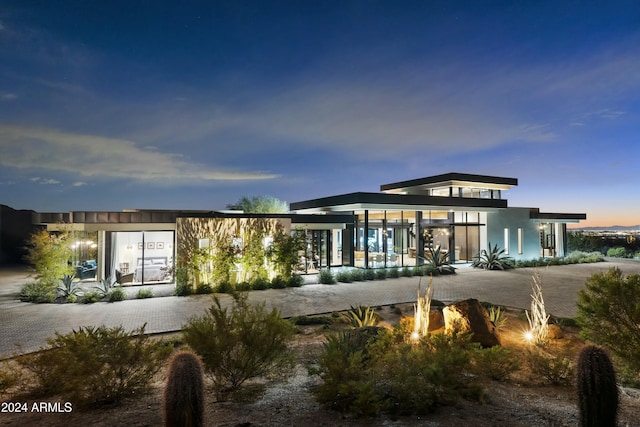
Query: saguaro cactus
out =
(597, 390)
(183, 400)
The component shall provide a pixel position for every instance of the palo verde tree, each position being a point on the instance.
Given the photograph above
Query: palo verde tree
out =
(49, 254)
(260, 205)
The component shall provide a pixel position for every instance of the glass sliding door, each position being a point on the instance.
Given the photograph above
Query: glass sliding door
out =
(142, 257)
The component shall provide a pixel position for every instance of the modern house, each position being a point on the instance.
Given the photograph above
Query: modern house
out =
(460, 214)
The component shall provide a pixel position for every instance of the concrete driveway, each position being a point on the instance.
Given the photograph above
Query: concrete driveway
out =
(24, 327)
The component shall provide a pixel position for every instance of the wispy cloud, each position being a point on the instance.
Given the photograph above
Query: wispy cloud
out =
(6, 96)
(101, 157)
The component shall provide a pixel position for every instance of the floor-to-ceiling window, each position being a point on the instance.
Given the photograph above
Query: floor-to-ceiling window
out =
(467, 236)
(139, 257)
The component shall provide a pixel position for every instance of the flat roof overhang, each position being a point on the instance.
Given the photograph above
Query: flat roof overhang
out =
(385, 201)
(538, 216)
(452, 179)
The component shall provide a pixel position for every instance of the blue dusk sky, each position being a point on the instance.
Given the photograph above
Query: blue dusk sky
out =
(107, 105)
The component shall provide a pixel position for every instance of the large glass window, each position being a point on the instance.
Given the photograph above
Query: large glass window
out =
(141, 257)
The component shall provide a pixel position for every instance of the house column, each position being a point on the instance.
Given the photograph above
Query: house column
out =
(419, 239)
(365, 238)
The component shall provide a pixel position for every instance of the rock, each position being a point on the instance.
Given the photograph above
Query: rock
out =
(555, 332)
(436, 320)
(470, 315)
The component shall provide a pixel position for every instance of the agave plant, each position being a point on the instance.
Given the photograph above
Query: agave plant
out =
(440, 261)
(67, 288)
(497, 317)
(104, 286)
(494, 259)
(361, 317)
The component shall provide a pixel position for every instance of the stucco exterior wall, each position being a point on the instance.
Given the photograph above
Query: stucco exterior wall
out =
(513, 219)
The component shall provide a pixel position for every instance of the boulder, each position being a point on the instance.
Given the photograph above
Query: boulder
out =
(470, 315)
(436, 320)
(555, 333)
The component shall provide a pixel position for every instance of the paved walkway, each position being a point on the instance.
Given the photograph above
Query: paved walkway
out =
(29, 325)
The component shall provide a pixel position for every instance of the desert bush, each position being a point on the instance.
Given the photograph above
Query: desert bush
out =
(326, 277)
(556, 369)
(144, 293)
(39, 292)
(418, 271)
(357, 275)
(203, 288)
(8, 378)
(225, 287)
(344, 277)
(495, 362)
(369, 274)
(407, 272)
(240, 342)
(278, 282)
(393, 273)
(597, 389)
(311, 320)
(619, 252)
(183, 399)
(182, 289)
(609, 313)
(90, 297)
(116, 294)
(369, 370)
(381, 274)
(243, 287)
(260, 284)
(97, 364)
(295, 281)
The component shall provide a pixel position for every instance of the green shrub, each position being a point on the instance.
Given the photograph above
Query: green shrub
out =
(393, 273)
(144, 293)
(278, 282)
(370, 370)
(243, 287)
(549, 368)
(90, 297)
(203, 289)
(609, 313)
(295, 281)
(97, 364)
(239, 342)
(418, 271)
(182, 289)
(326, 277)
(8, 378)
(369, 274)
(381, 274)
(260, 284)
(357, 275)
(311, 320)
(38, 292)
(619, 252)
(407, 272)
(495, 362)
(116, 294)
(344, 277)
(225, 287)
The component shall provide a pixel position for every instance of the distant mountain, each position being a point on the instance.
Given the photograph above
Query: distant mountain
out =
(610, 228)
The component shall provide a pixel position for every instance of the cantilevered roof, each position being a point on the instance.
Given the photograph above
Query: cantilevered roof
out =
(556, 217)
(384, 201)
(451, 179)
